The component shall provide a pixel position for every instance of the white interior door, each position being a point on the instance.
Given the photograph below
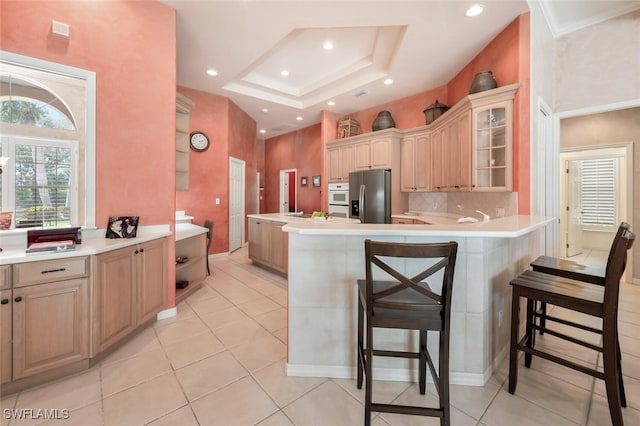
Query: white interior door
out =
(236, 203)
(574, 208)
(287, 203)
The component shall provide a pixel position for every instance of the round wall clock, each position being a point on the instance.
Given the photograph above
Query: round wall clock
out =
(198, 141)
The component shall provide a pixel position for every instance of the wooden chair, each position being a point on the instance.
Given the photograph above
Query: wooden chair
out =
(407, 303)
(209, 225)
(573, 270)
(595, 300)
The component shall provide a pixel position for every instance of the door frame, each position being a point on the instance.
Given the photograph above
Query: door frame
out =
(242, 164)
(284, 181)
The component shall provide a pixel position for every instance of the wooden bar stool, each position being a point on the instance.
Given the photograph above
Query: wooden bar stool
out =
(570, 269)
(407, 303)
(597, 301)
(209, 225)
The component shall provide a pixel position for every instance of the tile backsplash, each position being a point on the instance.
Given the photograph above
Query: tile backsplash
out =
(469, 202)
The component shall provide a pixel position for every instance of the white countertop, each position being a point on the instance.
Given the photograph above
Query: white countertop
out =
(92, 244)
(508, 227)
(431, 218)
(286, 218)
(186, 230)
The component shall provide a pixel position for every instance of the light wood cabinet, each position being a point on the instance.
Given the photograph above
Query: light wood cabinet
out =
(268, 244)
(129, 288)
(6, 336)
(492, 134)
(372, 154)
(340, 163)
(194, 270)
(451, 152)
(415, 163)
(45, 317)
(5, 276)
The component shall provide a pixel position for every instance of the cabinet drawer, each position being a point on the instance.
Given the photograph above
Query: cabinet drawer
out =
(30, 273)
(5, 276)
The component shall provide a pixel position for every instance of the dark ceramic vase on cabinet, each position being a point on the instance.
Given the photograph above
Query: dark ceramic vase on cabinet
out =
(483, 80)
(383, 121)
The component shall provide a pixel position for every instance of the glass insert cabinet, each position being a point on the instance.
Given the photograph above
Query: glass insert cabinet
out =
(492, 141)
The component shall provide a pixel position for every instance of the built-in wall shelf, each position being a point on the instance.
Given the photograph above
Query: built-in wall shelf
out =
(183, 110)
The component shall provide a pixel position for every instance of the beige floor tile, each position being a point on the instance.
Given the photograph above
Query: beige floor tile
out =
(179, 330)
(145, 341)
(258, 306)
(279, 297)
(328, 404)
(277, 419)
(599, 414)
(383, 391)
(282, 335)
(204, 292)
(210, 374)
(274, 320)
(281, 388)
(413, 397)
(212, 304)
(559, 372)
(184, 312)
(509, 409)
(631, 390)
(260, 352)
(241, 403)
(70, 393)
(9, 401)
(193, 349)
(630, 345)
(215, 320)
(144, 403)
(241, 294)
(183, 416)
(472, 400)
(129, 372)
(90, 415)
(562, 398)
(265, 287)
(238, 332)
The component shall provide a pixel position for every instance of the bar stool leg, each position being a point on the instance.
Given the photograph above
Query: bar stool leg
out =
(543, 316)
(513, 347)
(443, 379)
(623, 397)
(422, 367)
(529, 331)
(368, 364)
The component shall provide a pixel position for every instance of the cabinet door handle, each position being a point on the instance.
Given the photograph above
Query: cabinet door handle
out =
(53, 270)
(141, 250)
(4, 301)
(18, 299)
(136, 252)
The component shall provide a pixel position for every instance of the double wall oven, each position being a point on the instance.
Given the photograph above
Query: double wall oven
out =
(339, 199)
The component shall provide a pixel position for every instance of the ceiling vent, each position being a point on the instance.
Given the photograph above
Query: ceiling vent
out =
(361, 92)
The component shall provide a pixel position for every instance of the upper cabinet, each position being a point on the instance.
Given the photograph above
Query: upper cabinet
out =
(183, 109)
(492, 134)
(415, 169)
(340, 162)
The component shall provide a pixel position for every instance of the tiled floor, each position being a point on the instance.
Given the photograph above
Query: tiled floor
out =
(221, 362)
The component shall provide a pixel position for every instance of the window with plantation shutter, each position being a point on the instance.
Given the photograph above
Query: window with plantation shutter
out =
(599, 192)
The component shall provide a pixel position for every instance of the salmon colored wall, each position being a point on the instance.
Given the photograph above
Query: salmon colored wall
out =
(208, 170)
(243, 146)
(131, 46)
(301, 150)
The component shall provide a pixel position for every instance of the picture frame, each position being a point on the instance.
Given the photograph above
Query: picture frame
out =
(122, 227)
(315, 181)
(303, 181)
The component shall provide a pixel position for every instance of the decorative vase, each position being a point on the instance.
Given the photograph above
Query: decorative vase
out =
(383, 121)
(483, 80)
(434, 111)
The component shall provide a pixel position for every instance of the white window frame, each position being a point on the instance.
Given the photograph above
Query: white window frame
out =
(89, 158)
(614, 173)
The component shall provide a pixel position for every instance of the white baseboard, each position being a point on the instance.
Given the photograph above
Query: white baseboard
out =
(390, 374)
(167, 313)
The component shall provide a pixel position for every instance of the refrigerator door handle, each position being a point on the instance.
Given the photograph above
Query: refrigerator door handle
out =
(361, 202)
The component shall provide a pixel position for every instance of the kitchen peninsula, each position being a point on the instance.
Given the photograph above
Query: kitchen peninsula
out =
(326, 259)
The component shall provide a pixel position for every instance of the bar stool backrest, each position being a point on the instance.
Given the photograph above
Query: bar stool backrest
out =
(624, 226)
(616, 265)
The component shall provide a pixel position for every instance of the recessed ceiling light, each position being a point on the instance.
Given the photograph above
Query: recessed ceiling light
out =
(331, 103)
(263, 131)
(284, 73)
(212, 72)
(474, 10)
(388, 81)
(327, 45)
(299, 118)
(265, 110)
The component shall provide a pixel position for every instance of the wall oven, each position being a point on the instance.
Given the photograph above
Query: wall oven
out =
(338, 199)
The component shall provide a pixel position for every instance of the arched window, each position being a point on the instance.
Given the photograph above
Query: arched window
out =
(46, 124)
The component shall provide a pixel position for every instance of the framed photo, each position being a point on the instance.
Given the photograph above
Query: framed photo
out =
(122, 227)
(316, 181)
(303, 181)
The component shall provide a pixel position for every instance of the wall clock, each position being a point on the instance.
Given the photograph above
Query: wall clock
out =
(198, 141)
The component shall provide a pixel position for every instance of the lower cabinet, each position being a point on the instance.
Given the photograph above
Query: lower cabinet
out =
(129, 288)
(45, 317)
(268, 244)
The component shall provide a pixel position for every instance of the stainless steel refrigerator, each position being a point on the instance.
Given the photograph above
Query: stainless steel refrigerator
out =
(370, 195)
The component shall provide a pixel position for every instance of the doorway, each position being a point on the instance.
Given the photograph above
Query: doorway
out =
(288, 191)
(595, 197)
(236, 203)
